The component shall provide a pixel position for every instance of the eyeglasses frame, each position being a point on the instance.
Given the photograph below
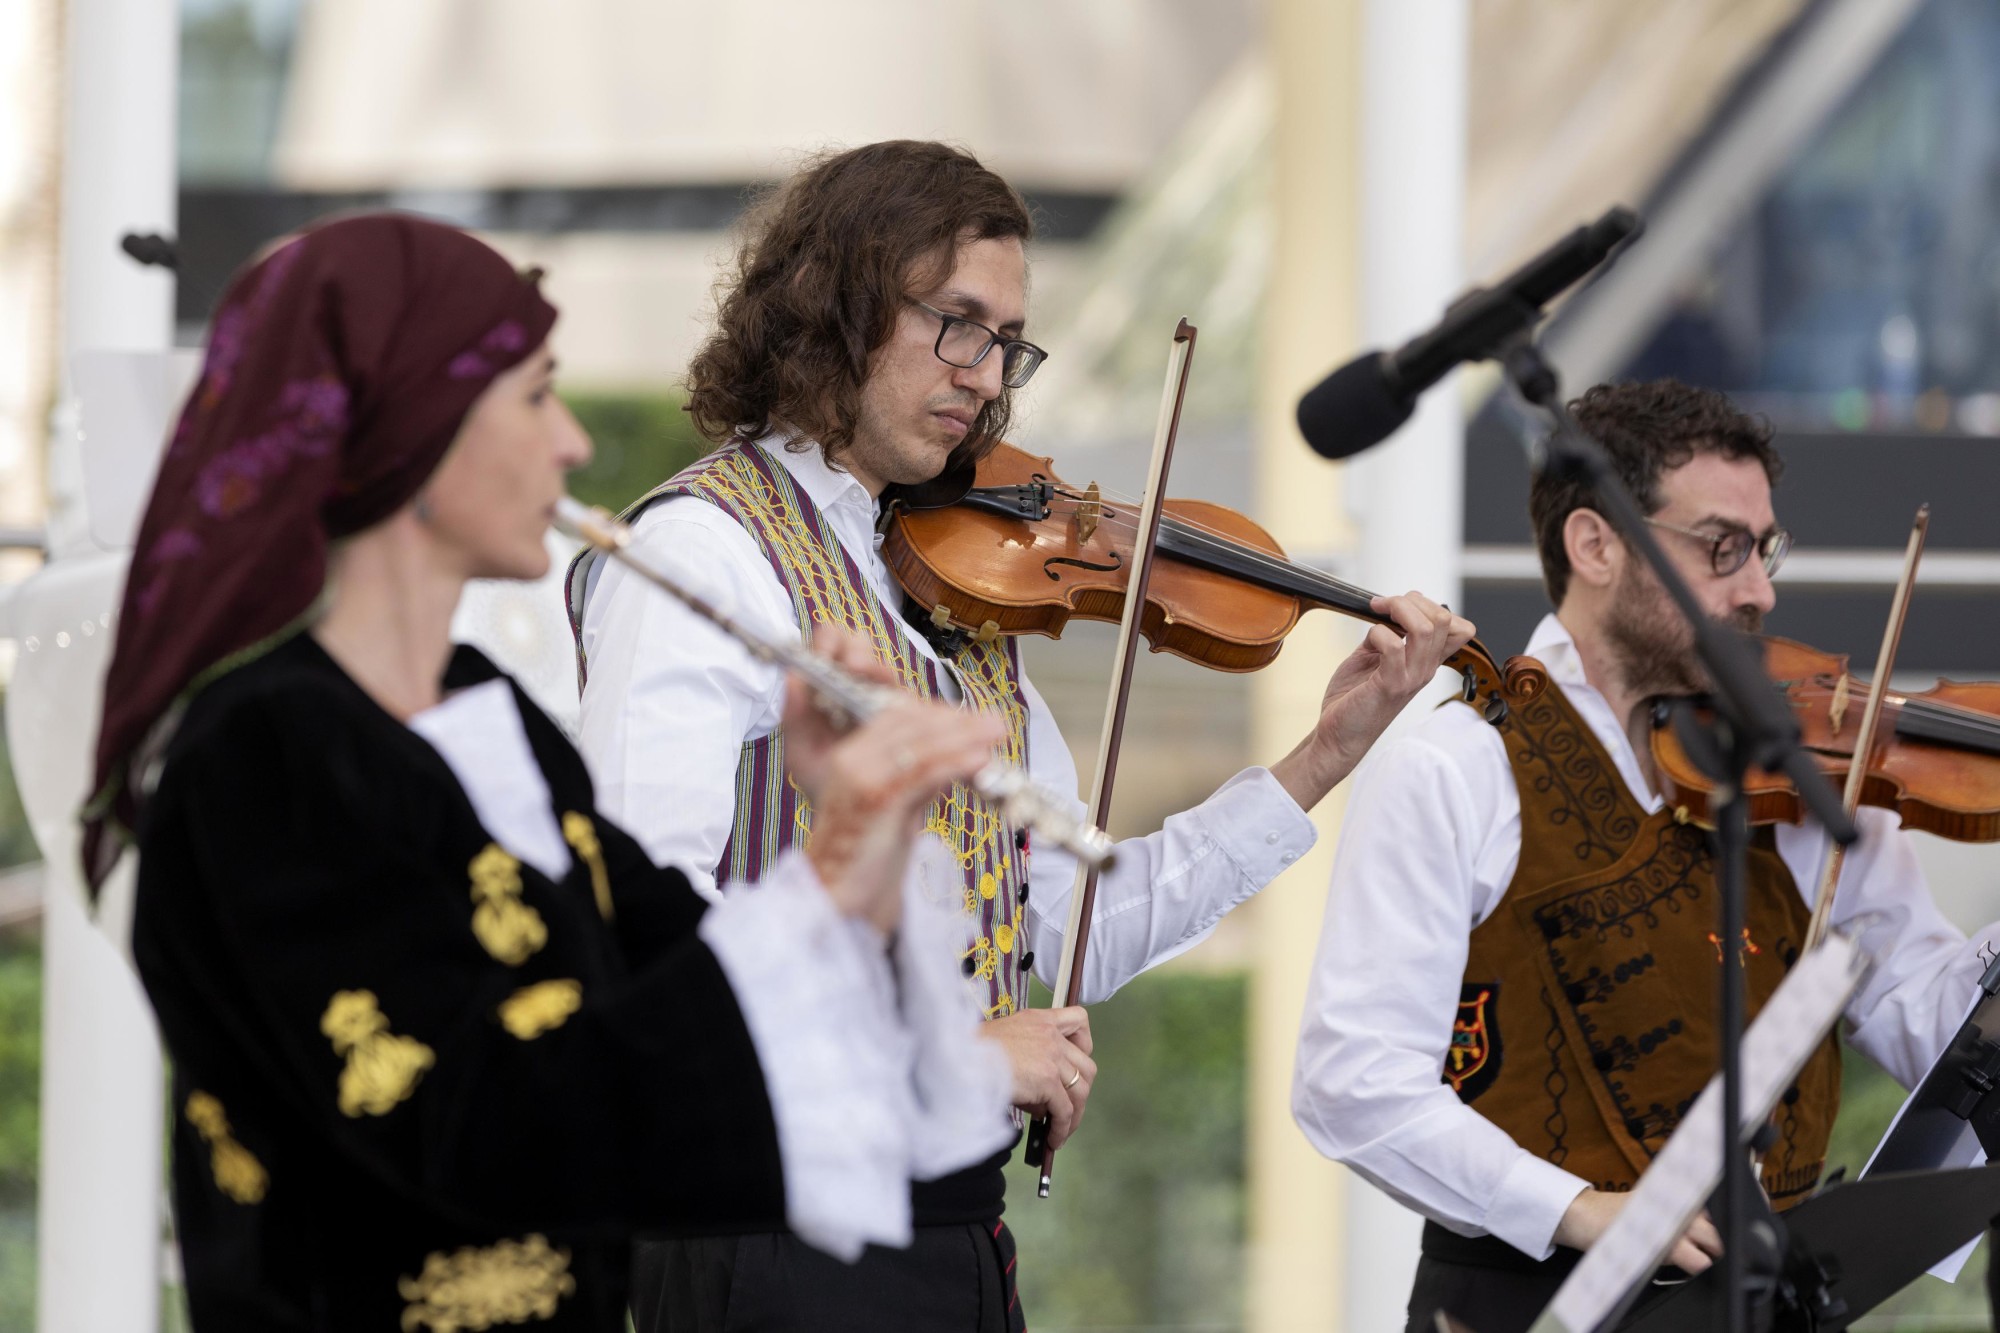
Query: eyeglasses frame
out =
(993, 339)
(1772, 562)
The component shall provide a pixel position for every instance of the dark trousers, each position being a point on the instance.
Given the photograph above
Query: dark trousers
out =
(1487, 1284)
(952, 1279)
(1491, 1287)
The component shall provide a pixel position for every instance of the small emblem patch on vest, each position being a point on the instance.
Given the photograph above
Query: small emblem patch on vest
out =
(1474, 1059)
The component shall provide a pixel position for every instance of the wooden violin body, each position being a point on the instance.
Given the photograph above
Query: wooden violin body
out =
(1935, 761)
(1025, 553)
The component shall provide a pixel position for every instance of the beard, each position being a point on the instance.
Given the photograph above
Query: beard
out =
(1652, 644)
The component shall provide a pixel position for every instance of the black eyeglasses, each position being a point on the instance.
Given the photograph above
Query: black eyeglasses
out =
(1730, 551)
(964, 343)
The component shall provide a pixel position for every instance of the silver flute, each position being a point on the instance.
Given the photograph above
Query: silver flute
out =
(843, 696)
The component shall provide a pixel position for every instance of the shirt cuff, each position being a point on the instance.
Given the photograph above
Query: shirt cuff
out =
(815, 990)
(1530, 1203)
(1258, 825)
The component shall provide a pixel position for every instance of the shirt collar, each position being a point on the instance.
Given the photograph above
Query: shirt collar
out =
(1552, 645)
(825, 485)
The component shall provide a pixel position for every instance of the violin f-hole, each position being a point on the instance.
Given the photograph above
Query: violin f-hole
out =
(1115, 564)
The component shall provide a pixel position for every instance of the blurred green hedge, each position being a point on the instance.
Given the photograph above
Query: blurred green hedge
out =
(1144, 1225)
(641, 439)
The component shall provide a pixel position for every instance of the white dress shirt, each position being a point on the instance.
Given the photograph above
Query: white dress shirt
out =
(1428, 847)
(872, 1065)
(670, 700)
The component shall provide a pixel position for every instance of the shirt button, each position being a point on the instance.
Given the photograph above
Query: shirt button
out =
(1270, 837)
(1290, 857)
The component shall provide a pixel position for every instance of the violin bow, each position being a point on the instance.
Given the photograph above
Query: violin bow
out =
(1871, 715)
(1076, 937)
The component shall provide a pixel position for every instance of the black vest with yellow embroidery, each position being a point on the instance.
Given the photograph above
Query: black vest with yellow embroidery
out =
(1587, 1021)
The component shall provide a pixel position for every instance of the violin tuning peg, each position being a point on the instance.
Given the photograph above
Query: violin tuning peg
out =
(988, 632)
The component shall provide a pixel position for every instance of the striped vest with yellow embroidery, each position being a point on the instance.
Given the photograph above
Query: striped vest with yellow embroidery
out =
(827, 587)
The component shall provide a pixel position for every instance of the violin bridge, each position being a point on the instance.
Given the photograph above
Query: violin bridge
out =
(1836, 714)
(1088, 511)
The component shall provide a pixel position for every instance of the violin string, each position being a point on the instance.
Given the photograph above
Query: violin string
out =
(1972, 722)
(1962, 717)
(1220, 543)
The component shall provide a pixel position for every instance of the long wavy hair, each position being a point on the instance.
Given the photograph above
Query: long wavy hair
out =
(826, 262)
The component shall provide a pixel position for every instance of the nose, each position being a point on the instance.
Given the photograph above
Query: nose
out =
(573, 446)
(982, 379)
(1754, 588)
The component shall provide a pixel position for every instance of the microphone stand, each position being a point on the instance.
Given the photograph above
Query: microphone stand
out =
(1752, 728)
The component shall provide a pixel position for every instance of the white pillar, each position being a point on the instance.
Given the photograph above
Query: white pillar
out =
(1296, 1277)
(1406, 497)
(102, 1121)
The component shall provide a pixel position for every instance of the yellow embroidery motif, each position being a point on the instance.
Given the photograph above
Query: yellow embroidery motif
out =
(546, 1005)
(382, 1068)
(509, 929)
(982, 957)
(473, 1289)
(238, 1173)
(581, 835)
(1003, 935)
(973, 832)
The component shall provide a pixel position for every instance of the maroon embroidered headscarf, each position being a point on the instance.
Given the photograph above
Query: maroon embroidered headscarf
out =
(339, 368)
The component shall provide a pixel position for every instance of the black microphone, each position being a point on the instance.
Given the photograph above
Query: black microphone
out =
(1364, 401)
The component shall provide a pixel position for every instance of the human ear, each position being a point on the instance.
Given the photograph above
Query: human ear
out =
(1595, 553)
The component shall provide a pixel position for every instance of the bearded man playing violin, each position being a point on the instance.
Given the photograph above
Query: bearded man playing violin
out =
(1513, 998)
(872, 334)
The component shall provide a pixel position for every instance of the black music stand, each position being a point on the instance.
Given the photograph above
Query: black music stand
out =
(1953, 1105)
(1848, 1249)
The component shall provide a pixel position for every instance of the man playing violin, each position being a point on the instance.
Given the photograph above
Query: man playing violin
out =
(1512, 1002)
(872, 333)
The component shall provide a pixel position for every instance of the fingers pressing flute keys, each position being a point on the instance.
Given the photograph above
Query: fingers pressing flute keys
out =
(869, 786)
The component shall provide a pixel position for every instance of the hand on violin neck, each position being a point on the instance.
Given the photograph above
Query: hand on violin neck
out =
(1375, 682)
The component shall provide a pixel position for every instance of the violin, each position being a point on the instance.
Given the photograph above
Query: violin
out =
(1020, 551)
(1933, 760)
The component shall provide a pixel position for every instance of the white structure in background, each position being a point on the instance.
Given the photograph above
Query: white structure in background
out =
(467, 96)
(100, 1218)
(1406, 496)
(30, 91)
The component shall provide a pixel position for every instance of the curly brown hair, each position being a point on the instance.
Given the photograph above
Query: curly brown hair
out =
(1647, 429)
(827, 261)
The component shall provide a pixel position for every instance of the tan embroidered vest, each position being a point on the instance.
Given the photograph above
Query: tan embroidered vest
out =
(1587, 1021)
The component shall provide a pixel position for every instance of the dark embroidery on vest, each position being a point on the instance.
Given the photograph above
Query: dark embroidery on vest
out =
(1562, 760)
(1473, 1061)
(1555, 1083)
(1665, 883)
(1596, 985)
(1792, 1181)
